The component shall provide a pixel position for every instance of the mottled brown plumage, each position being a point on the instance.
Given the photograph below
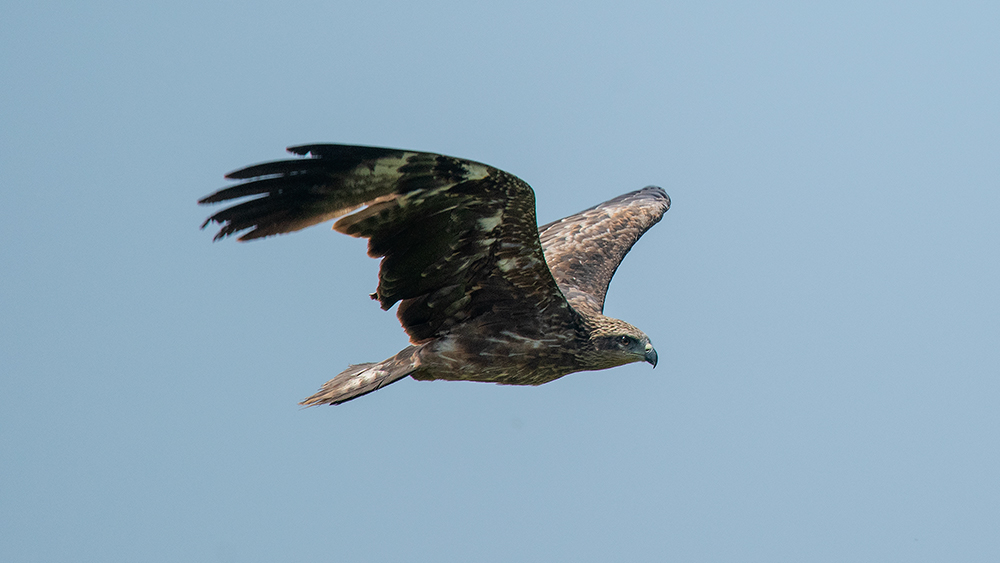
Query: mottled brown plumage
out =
(483, 293)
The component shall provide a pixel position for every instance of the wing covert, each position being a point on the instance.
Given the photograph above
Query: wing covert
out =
(584, 250)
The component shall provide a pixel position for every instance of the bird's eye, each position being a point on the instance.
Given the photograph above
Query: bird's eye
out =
(624, 340)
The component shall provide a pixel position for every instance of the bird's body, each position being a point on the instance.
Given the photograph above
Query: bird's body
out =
(484, 294)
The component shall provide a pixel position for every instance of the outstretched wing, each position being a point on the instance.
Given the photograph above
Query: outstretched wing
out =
(584, 250)
(458, 239)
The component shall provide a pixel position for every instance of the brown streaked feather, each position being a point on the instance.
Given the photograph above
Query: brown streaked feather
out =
(458, 239)
(361, 379)
(584, 250)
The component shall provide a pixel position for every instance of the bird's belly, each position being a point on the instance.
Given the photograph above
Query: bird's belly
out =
(508, 360)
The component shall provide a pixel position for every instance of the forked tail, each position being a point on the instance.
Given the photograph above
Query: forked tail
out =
(362, 379)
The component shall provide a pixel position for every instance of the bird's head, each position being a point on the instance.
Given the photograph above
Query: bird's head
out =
(619, 343)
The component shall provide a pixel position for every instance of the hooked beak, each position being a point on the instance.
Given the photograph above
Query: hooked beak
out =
(651, 354)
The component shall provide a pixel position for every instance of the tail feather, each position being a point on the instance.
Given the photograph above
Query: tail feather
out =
(361, 379)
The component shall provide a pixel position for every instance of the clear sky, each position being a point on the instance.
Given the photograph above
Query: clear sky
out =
(823, 293)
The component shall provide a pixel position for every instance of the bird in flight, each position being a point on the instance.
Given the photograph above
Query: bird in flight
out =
(484, 293)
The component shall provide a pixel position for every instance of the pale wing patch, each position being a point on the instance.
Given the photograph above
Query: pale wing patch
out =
(521, 262)
(475, 171)
(507, 264)
(489, 223)
(365, 175)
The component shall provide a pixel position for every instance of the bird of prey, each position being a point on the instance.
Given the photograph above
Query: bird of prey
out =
(484, 293)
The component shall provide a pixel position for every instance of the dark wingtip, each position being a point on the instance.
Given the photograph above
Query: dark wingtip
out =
(658, 191)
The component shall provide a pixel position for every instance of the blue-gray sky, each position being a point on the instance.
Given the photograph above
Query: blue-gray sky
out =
(823, 293)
